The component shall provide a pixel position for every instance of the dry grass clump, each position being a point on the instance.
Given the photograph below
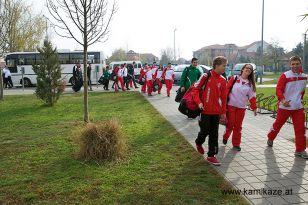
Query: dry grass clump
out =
(101, 142)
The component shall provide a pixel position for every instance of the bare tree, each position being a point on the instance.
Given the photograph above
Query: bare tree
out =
(85, 21)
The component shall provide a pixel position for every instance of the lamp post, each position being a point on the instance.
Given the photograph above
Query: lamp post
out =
(261, 73)
(174, 44)
(304, 49)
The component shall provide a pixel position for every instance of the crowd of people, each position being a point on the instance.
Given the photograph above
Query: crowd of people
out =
(151, 78)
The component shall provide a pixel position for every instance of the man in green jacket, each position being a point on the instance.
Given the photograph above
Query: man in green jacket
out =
(190, 75)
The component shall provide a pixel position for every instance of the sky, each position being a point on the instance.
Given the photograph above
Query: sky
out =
(147, 26)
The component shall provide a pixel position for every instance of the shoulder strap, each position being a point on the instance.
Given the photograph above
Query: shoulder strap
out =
(186, 76)
(207, 79)
(230, 90)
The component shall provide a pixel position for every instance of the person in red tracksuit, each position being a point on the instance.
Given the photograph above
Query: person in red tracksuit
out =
(213, 105)
(142, 77)
(120, 77)
(149, 80)
(243, 90)
(169, 78)
(158, 76)
(116, 82)
(290, 91)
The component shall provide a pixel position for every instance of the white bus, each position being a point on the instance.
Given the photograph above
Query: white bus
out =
(19, 61)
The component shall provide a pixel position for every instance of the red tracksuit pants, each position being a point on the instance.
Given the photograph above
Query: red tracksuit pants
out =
(160, 85)
(149, 86)
(235, 117)
(144, 87)
(120, 79)
(298, 119)
(168, 86)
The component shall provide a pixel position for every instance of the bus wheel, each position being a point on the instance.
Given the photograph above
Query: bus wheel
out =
(27, 82)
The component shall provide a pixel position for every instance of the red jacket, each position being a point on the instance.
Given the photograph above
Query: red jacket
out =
(214, 97)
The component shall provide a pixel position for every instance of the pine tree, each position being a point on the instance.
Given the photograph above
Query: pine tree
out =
(49, 83)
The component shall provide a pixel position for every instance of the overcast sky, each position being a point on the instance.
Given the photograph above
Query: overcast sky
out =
(147, 26)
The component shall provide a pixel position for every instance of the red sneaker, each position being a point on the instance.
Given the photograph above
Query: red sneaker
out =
(200, 149)
(213, 160)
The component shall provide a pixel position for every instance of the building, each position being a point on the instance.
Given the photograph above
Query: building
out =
(143, 57)
(232, 52)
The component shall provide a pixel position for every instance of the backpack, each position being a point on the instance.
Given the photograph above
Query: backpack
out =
(187, 105)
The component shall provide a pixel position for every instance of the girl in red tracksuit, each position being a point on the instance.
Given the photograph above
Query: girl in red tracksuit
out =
(243, 90)
(212, 102)
(142, 77)
(169, 77)
(158, 77)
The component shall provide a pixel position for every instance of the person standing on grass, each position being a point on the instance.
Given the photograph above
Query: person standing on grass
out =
(190, 75)
(290, 92)
(240, 90)
(169, 78)
(212, 102)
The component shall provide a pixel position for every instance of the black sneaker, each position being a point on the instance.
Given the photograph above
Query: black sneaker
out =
(269, 143)
(238, 148)
(224, 141)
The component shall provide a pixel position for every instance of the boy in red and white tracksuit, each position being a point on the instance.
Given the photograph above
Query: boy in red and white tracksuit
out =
(154, 69)
(243, 90)
(213, 105)
(149, 80)
(158, 77)
(169, 78)
(290, 91)
(120, 77)
(142, 77)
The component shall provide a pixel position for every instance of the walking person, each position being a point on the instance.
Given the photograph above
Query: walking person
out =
(77, 77)
(213, 105)
(125, 76)
(169, 78)
(190, 75)
(7, 78)
(240, 90)
(142, 77)
(131, 73)
(114, 75)
(106, 76)
(159, 77)
(89, 69)
(120, 77)
(290, 92)
(149, 80)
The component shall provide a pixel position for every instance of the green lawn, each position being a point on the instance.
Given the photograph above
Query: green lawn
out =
(37, 164)
(273, 76)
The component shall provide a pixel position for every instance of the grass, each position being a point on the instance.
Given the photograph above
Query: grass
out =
(273, 76)
(37, 164)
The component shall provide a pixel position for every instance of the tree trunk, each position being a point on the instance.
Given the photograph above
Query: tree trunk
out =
(85, 60)
(1, 85)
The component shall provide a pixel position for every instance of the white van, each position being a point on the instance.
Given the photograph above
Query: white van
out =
(137, 68)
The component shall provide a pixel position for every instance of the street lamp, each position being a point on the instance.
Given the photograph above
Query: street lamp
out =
(261, 73)
(304, 49)
(174, 44)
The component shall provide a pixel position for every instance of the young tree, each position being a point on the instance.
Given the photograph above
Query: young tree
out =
(49, 83)
(166, 56)
(85, 21)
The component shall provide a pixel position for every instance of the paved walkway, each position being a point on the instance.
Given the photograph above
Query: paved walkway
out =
(256, 166)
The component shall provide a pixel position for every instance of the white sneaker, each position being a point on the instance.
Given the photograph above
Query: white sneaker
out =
(302, 154)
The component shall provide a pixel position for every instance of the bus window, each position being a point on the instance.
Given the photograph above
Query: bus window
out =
(38, 59)
(11, 64)
(64, 58)
(139, 65)
(30, 59)
(76, 57)
(94, 57)
(91, 59)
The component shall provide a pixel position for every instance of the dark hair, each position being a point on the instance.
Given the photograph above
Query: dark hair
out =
(194, 59)
(218, 60)
(134, 62)
(296, 58)
(146, 64)
(154, 62)
(251, 77)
